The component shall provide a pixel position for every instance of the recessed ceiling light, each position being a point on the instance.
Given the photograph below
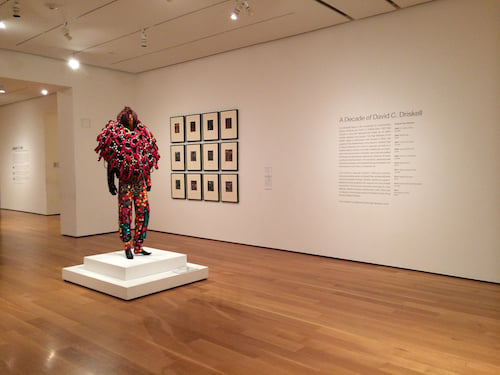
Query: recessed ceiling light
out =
(2, 25)
(44, 91)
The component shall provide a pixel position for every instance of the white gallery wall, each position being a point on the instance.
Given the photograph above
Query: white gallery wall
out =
(423, 81)
(93, 96)
(29, 155)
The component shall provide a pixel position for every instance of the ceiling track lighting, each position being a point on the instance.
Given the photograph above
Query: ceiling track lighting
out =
(236, 12)
(241, 5)
(144, 38)
(73, 63)
(16, 9)
(246, 6)
(65, 30)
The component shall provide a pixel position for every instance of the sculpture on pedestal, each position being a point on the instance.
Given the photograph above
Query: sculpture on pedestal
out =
(131, 154)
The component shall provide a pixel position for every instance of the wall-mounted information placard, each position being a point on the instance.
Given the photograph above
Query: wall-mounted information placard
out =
(378, 156)
(21, 165)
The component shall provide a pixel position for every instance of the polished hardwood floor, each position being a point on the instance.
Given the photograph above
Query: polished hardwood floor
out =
(261, 311)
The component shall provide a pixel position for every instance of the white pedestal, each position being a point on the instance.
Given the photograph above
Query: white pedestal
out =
(114, 274)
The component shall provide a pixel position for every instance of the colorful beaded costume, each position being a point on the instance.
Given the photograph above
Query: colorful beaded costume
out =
(131, 155)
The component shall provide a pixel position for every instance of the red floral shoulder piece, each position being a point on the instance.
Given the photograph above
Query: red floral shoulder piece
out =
(131, 153)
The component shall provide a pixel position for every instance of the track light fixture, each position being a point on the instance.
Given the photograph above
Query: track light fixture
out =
(241, 5)
(73, 63)
(65, 30)
(236, 12)
(16, 9)
(144, 38)
(249, 10)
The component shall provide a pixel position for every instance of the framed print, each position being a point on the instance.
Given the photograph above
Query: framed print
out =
(229, 156)
(177, 157)
(178, 185)
(193, 131)
(229, 124)
(229, 188)
(193, 157)
(211, 156)
(177, 129)
(194, 187)
(210, 126)
(211, 187)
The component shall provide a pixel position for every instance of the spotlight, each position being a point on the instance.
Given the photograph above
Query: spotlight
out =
(16, 9)
(73, 63)
(236, 12)
(241, 4)
(144, 38)
(65, 30)
(2, 90)
(2, 25)
(44, 91)
(247, 8)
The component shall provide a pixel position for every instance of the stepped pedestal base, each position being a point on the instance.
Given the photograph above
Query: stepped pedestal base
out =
(114, 274)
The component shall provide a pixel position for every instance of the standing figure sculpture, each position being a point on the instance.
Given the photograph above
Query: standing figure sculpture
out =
(131, 153)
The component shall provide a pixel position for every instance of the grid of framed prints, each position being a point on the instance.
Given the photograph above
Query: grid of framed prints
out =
(204, 156)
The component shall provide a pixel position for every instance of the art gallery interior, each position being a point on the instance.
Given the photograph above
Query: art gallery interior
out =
(363, 236)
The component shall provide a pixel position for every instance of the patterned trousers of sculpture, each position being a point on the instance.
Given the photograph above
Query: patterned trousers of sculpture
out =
(136, 195)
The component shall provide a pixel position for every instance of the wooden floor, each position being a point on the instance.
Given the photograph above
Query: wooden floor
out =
(260, 312)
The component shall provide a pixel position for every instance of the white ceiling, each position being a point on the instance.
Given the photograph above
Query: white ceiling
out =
(107, 33)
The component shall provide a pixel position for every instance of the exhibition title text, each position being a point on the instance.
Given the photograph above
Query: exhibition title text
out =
(382, 116)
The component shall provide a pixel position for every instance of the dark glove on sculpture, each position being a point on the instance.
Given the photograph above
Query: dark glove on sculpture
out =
(111, 181)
